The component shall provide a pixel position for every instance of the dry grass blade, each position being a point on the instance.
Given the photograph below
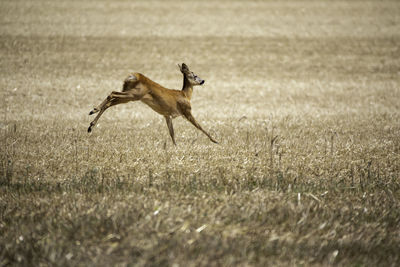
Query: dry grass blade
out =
(302, 95)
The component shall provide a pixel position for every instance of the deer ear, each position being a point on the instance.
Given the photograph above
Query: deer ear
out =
(184, 67)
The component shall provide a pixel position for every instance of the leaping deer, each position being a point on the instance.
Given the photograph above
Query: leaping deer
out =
(167, 102)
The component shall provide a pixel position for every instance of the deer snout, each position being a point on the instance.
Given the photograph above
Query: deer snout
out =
(202, 82)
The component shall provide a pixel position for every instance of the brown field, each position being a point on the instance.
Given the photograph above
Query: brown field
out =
(303, 96)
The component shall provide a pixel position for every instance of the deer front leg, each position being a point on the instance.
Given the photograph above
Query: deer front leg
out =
(170, 128)
(188, 115)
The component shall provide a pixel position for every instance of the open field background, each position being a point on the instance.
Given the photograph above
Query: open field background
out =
(303, 96)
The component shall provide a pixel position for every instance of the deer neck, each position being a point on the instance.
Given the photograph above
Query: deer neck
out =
(187, 88)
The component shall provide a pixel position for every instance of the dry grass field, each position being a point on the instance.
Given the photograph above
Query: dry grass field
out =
(303, 96)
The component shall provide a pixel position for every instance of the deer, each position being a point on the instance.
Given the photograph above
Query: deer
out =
(169, 103)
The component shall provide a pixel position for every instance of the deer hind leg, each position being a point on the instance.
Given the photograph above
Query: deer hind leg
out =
(188, 115)
(113, 99)
(113, 95)
(98, 108)
(170, 128)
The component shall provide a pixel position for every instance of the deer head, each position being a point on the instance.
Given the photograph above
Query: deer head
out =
(189, 76)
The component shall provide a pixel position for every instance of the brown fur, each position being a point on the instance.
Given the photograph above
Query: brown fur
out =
(167, 102)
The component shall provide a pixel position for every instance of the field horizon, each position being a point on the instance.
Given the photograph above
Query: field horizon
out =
(302, 96)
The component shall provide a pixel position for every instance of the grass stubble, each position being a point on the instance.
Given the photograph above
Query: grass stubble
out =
(303, 97)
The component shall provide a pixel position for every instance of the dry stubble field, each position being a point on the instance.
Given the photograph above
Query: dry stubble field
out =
(303, 96)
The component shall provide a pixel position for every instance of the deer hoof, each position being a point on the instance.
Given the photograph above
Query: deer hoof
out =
(89, 129)
(95, 110)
